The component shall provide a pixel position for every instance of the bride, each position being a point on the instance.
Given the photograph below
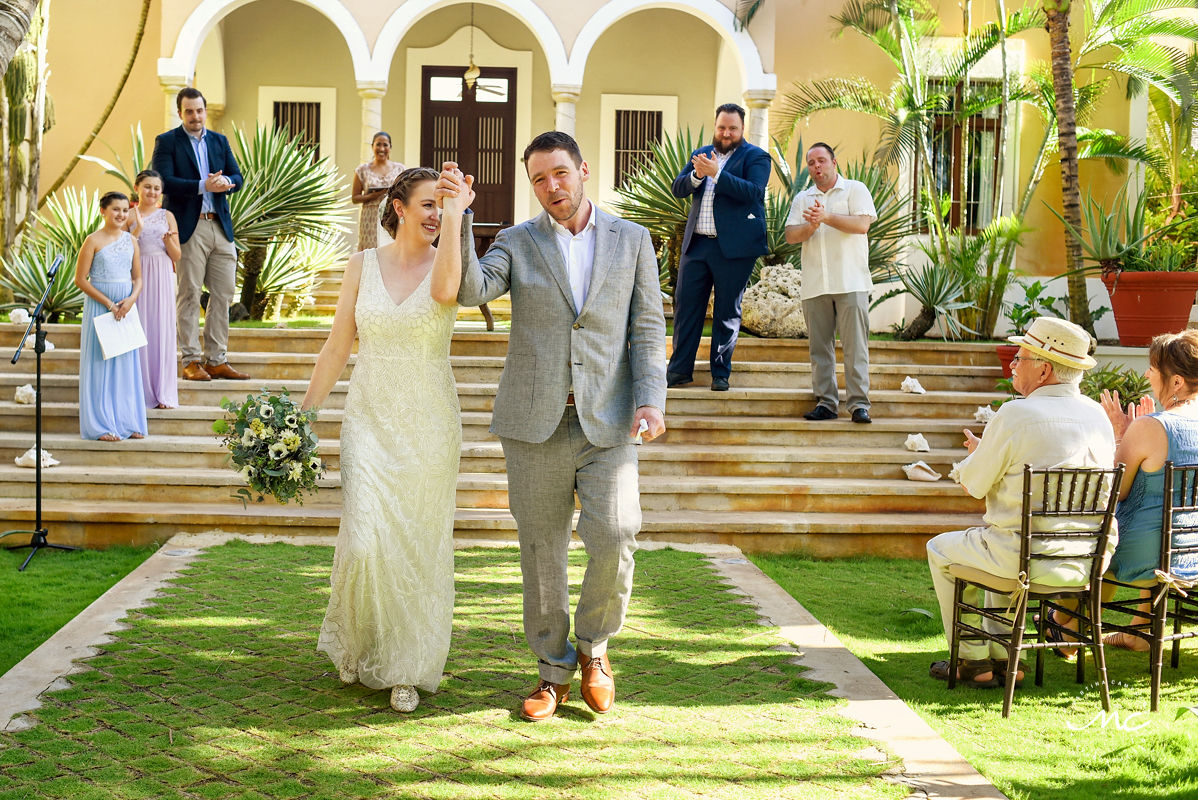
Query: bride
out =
(390, 613)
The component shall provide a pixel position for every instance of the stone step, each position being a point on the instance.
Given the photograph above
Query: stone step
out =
(106, 523)
(483, 343)
(687, 401)
(180, 455)
(942, 434)
(489, 490)
(487, 369)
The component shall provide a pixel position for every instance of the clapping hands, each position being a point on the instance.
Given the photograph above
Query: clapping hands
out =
(1122, 418)
(454, 190)
(815, 214)
(705, 166)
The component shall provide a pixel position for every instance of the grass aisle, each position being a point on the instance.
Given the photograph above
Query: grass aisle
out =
(217, 692)
(55, 587)
(1035, 754)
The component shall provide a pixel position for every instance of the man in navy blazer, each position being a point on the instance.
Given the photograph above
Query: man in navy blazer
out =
(725, 234)
(198, 171)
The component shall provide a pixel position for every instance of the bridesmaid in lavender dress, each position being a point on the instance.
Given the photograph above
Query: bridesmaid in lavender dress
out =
(108, 272)
(158, 241)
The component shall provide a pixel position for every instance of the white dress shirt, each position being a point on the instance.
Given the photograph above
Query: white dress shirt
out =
(578, 251)
(705, 223)
(835, 262)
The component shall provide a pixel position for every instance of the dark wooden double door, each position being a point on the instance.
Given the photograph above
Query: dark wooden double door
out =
(476, 127)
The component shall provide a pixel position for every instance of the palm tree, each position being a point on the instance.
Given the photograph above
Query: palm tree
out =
(1057, 15)
(138, 35)
(15, 19)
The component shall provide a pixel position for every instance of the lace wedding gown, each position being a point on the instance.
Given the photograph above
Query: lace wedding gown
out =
(391, 608)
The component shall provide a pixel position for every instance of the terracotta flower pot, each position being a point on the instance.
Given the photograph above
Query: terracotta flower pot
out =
(1006, 352)
(1146, 304)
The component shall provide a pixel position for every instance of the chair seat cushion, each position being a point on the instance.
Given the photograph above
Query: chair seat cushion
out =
(1006, 585)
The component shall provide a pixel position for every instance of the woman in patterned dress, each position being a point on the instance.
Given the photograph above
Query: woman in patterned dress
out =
(371, 181)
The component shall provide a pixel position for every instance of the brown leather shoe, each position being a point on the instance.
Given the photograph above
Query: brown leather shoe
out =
(541, 704)
(225, 371)
(598, 685)
(195, 372)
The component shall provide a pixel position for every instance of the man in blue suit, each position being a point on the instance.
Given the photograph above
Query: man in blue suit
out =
(198, 171)
(725, 234)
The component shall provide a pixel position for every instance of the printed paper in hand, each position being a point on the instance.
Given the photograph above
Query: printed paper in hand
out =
(118, 338)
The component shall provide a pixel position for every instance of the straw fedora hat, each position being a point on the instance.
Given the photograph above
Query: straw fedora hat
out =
(1058, 341)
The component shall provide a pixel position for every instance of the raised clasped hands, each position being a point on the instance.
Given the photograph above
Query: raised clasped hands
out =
(217, 182)
(705, 166)
(815, 214)
(454, 190)
(1120, 417)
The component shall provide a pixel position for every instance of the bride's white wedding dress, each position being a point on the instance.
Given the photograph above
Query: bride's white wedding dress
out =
(391, 609)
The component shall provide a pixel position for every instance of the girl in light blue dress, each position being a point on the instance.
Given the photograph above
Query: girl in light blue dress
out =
(111, 406)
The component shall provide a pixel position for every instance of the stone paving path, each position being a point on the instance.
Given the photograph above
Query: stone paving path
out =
(215, 690)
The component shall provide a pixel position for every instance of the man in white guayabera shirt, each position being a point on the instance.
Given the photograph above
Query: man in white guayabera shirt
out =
(831, 219)
(1054, 425)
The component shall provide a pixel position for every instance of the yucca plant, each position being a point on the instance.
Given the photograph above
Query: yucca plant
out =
(25, 276)
(285, 194)
(118, 169)
(70, 216)
(292, 267)
(647, 198)
(939, 289)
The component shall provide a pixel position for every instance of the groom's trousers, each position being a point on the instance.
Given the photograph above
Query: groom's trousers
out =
(542, 481)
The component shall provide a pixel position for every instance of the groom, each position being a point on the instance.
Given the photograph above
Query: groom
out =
(585, 366)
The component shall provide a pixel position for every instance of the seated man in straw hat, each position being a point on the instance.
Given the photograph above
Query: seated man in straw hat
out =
(1054, 425)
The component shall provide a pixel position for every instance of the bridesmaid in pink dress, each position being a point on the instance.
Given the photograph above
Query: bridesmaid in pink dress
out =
(158, 239)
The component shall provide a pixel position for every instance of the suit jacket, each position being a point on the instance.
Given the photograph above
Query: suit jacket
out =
(738, 204)
(175, 159)
(612, 351)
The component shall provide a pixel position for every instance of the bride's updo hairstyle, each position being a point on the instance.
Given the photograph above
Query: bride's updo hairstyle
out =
(402, 190)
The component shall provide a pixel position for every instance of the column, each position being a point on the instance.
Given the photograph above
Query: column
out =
(372, 93)
(565, 97)
(758, 102)
(171, 84)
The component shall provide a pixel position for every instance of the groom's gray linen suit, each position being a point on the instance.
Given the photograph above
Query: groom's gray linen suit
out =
(610, 357)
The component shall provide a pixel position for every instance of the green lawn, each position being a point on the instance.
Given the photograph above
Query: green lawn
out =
(217, 691)
(55, 587)
(1035, 754)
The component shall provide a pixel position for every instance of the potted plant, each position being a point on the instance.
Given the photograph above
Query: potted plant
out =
(1035, 304)
(1151, 281)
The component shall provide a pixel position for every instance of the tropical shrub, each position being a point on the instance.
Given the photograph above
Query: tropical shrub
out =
(292, 267)
(285, 194)
(70, 216)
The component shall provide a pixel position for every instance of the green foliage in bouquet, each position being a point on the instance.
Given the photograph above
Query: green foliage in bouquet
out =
(272, 445)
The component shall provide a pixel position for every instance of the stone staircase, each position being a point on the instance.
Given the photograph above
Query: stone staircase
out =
(738, 467)
(324, 298)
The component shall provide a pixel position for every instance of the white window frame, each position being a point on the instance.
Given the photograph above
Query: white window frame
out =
(325, 96)
(609, 104)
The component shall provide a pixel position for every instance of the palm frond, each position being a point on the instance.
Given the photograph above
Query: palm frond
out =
(745, 11)
(286, 193)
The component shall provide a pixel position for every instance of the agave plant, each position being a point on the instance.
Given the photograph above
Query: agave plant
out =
(647, 198)
(118, 169)
(939, 289)
(285, 195)
(25, 276)
(292, 266)
(71, 215)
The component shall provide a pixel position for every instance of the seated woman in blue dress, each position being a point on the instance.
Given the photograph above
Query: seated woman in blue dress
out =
(1146, 441)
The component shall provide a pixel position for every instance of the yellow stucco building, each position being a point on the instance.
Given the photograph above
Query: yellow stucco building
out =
(605, 70)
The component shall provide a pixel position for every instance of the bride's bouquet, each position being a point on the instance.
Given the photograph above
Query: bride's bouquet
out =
(272, 445)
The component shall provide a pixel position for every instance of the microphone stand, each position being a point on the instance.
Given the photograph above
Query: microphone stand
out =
(39, 533)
